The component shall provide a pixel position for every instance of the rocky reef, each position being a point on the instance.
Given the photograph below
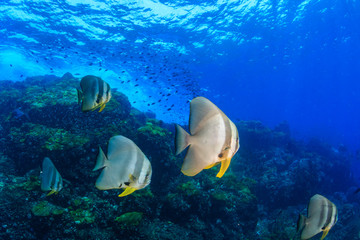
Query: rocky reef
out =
(268, 184)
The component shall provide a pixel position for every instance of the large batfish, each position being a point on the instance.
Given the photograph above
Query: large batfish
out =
(322, 216)
(125, 166)
(213, 138)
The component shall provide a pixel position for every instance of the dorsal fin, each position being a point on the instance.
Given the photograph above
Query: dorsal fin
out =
(201, 109)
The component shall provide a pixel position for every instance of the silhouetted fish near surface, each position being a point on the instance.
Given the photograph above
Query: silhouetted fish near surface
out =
(94, 93)
(213, 138)
(51, 179)
(322, 216)
(125, 166)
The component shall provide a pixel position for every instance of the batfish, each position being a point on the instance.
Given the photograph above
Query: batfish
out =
(213, 138)
(125, 166)
(322, 216)
(51, 179)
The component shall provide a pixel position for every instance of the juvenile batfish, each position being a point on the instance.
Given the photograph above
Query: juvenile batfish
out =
(125, 166)
(322, 216)
(51, 179)
(214, 138)
(94, 93)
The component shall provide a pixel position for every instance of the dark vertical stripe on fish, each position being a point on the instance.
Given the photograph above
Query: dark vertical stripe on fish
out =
(94, 87)
(107, 92)
(336, 214)
(101, 90)
(53, 178)
(329, 213)
(138, 164)
(227, 143)
(323, 213)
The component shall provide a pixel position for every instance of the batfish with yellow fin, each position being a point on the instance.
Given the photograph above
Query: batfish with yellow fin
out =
(213, 138)
(322, 216)
(125, 166)
(94, 93)
(51, 179)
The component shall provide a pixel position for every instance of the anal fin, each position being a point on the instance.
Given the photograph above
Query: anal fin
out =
(127, 191)
(102, 107)
(325, 232)
(51, 192)
(224, 166)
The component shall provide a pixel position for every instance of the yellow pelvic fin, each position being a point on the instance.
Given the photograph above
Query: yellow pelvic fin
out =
(325, 232)
(224, 166)
(127, 191)
(102, 107)
(52, 192)
(212, 165)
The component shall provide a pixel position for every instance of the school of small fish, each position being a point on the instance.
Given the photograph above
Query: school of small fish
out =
(213, 140)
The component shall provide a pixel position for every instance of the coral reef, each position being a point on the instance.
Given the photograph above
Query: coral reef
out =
(267, 185)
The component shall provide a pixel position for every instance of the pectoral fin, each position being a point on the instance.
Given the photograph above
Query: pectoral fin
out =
(224, 166)
(325, 232)
(127, 191)
(102, 107)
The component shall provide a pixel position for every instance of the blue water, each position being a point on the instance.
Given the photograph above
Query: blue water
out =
(257, 60)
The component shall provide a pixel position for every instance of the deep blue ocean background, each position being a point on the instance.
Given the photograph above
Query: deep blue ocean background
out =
(272, 61)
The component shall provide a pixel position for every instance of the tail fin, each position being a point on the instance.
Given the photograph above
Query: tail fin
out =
(181, 139)
(101, 160)
(301, 223)
(80, 95)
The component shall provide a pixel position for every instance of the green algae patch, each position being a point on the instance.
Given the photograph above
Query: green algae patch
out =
(188, 188)
(81, 216)
(130, 218)
(62, 139)
(38, 97)
(47, 137)
(82, 202)
(151, 128)
(44, 209)
(220, 195)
